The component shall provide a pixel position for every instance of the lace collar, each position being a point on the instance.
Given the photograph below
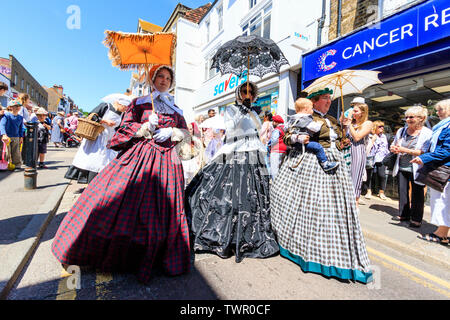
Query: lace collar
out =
(164, 102)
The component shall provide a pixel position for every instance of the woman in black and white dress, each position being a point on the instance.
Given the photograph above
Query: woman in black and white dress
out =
(228, 200)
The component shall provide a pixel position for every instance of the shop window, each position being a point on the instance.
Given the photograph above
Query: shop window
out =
(209, 73)
(390, 6)
(207, 23)
(266, 33)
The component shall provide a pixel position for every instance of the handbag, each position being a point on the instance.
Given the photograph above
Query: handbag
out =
(370, 162)
(435, 178)
(389, 160)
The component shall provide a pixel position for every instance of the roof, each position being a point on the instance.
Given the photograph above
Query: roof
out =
(195, 15)
(149, 27)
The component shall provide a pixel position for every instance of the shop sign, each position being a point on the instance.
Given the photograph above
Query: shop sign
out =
(5, 67)
(422, 24)
(228, 84)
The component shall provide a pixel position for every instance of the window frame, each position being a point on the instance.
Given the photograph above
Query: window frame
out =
(220, 17)
(259, 17)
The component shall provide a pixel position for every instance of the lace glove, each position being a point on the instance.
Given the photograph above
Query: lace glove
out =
(146, 130)
(163, 134)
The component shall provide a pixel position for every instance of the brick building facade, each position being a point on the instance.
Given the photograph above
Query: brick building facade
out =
(23, 82)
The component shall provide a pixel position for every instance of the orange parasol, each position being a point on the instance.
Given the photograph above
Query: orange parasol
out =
(129, 51)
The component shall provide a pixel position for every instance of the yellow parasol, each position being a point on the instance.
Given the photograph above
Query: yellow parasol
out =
(347, 81)
(129, 51)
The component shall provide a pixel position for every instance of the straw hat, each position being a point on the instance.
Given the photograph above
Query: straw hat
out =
(62, 113)
(41, 111)
(15, 102)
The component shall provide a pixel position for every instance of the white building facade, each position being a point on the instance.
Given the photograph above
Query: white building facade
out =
(292, 24)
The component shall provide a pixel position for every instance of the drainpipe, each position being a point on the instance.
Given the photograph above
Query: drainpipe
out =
(321, 24)
(339, 18)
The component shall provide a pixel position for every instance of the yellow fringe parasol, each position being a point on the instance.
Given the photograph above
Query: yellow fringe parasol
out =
(129, 51)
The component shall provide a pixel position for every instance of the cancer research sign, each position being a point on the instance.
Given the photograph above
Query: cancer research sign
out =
(417, 26)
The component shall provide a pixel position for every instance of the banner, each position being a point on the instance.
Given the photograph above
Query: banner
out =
(5, 67)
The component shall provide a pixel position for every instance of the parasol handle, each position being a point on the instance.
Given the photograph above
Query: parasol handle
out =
(148, 80)
(248, 68)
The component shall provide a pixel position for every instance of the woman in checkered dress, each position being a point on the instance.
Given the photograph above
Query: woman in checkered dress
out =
(228, 200)
(131, 216)
(314, 212)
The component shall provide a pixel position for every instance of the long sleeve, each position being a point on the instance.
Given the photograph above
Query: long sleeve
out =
(100, 110)
(131, 122)
(232, 118)
(441, 154)
(3, 126)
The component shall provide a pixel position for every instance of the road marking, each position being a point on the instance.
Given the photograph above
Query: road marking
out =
(415, 270)
(101, 281)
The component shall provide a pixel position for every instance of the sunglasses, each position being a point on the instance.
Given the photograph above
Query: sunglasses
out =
(380, 126)
(410, 117)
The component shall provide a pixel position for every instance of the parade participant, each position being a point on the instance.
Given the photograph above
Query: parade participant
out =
(57, 136)
(228, 200)
(313, 212)
(302, 123)
(93, 155)
(131, 216)
(43, 134)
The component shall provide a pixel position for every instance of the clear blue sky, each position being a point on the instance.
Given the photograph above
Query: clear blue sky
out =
(36, 33)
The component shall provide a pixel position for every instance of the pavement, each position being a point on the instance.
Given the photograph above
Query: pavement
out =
(25, 216)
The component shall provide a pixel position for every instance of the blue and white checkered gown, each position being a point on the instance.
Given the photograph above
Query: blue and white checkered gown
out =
(315, 217)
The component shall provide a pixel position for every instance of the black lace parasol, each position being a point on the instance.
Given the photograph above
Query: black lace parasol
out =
(253, 53)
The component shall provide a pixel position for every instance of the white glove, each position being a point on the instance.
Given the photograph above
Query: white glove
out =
(163, 134)
(144, 131)
(153, 122)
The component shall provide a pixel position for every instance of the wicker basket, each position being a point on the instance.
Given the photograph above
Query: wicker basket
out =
(89, 129)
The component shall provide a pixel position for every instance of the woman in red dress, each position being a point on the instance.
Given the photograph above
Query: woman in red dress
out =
(131, 216)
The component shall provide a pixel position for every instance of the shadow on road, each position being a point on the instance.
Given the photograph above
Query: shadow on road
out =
(119, 286)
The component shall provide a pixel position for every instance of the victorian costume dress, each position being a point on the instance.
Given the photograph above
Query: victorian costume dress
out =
(314, 213)
(131, 216)
(228, 200)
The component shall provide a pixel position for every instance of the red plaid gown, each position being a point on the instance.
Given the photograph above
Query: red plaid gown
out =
(131, 215)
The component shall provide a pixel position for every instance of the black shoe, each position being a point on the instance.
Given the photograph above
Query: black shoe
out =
(400, 218)
(414, 224)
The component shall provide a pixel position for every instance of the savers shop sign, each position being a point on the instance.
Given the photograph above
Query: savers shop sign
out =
(422, 24)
